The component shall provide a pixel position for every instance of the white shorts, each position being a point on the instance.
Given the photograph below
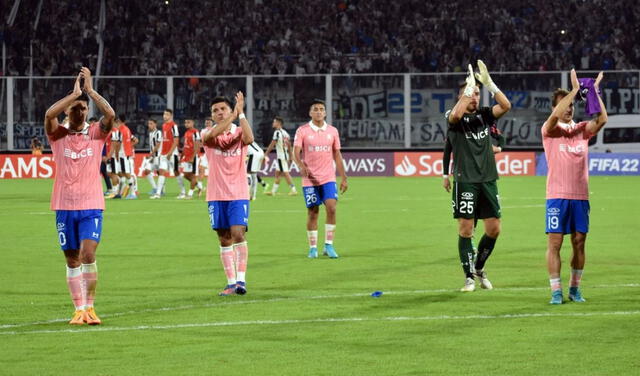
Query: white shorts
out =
(254, 162)
(150, 164)
(189, 167)
(202, 162)
(112, 166)
(125, 165)
(169, 164)
(282, 165)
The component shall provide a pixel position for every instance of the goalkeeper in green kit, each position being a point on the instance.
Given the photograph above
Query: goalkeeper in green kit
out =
(475, 189)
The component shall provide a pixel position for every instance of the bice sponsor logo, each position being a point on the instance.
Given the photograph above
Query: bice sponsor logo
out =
(79, 154)
(319, 148)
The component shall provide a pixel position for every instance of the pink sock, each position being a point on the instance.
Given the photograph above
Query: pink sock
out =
(90, 281)
(74, 281)
(228, 263)
(312, 236)
(242, 255)
(329, 231)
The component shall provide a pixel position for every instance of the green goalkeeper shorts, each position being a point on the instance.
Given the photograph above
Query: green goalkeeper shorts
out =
(475, 200)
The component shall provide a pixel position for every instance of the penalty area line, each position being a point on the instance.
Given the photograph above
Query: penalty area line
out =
(532, 315)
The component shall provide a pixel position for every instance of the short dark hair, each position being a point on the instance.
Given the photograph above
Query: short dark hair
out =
(122, 117)
(153, 120)
(168, 110)
(93, 119)
(317, 101)
(219, 99)
(279, 119)
(558, 93)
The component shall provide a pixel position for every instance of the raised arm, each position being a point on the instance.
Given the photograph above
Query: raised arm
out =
(596, 124)
(552, 122)
(247, 132)
(503, 105)
(108, 115)
(51, 123)
(463, 102)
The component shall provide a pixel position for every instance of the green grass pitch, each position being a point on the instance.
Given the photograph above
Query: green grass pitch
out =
(159, 274)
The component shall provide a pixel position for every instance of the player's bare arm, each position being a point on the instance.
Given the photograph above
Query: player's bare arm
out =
(289, 147)
(503, 105)
(134, 140)
(463, 102)
(219, 128)
(51, 123)
(596, 124)
(108, 115)
(297, 157)
(270, 147)
(247, 132)
(337, 157)
(562, 106)
(174, 145)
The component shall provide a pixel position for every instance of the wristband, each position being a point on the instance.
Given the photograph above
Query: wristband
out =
(241, 116)
(493, 89)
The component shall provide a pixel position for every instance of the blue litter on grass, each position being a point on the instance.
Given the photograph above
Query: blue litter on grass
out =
(376, 294)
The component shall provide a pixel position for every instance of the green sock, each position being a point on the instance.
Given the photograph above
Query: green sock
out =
(485, 247)
(466, 255)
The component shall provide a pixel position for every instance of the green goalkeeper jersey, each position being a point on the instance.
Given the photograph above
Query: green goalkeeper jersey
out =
(473, 158)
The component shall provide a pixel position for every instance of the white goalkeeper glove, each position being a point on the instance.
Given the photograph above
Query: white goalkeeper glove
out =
(471, 83)
(485, 79)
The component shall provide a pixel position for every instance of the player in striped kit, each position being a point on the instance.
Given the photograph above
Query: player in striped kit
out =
(566, 147)
(282, 143)
(169, 160)
(77, 197)
(255, 161)
(316, 149)
(150, 163)
(227, 189)
(113, 162)
(189, 160)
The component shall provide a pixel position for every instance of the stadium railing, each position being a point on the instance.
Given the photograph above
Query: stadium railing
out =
(369, 110)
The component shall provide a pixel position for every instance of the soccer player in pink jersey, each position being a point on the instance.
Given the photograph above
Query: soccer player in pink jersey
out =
(566, 149)
(77, 191)
(315, 149)
(225, 146)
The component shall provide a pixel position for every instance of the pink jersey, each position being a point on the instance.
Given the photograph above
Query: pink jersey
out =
(226, 156)
(567, 156)
(318, 145)
(78, 184)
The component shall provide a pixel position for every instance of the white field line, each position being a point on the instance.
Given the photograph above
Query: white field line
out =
(326, 320)
(291, 299)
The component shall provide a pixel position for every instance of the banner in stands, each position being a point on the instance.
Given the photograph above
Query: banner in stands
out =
(602, 164)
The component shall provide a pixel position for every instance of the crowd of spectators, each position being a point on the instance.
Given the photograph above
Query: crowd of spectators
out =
(225, 37)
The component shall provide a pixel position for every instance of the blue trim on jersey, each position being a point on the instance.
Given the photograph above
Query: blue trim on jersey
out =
(567, 216)
(224, 214)
(316, 195)
(74, 226)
